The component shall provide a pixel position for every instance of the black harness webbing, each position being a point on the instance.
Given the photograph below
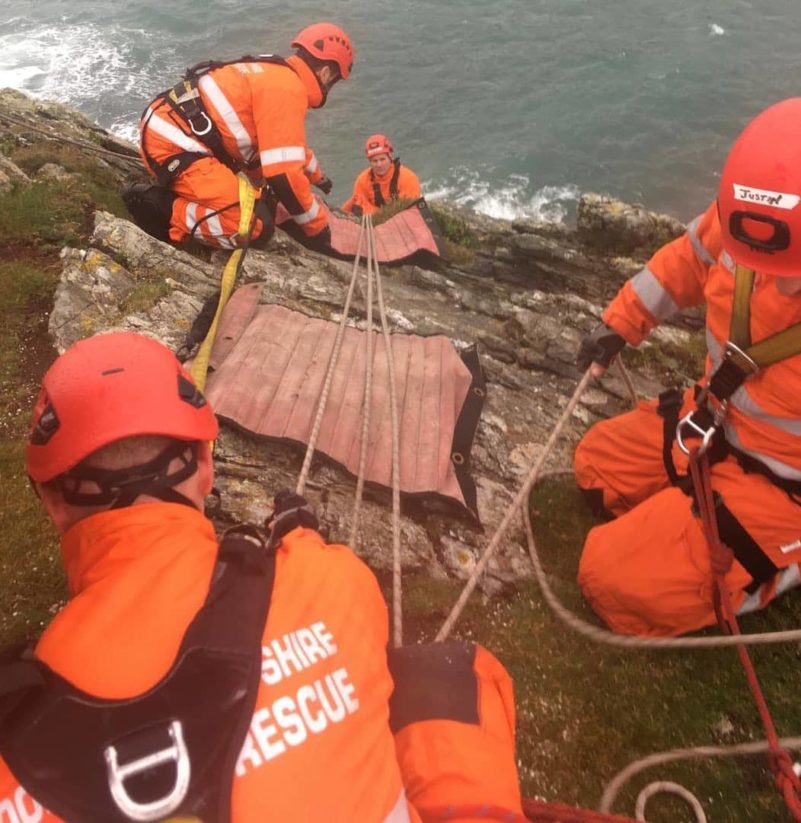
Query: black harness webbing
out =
(393, 185)
(185, 101)
(747, 551)
(86, 759)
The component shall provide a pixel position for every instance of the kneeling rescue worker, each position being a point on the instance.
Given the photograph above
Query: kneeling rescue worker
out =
(246, 115)
(242, 681)
(384, 181)
(648, 571)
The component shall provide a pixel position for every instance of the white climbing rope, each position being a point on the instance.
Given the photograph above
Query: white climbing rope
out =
(397, 590)
(332, 364)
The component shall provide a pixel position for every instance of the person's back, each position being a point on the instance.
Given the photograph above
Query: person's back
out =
(319, 746)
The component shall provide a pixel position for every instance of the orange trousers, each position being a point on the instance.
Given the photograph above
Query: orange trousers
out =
(647, 572)
(207, 206)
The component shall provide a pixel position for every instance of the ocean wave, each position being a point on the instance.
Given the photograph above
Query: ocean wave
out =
(509, 199)
(73, 64)
(716, 31)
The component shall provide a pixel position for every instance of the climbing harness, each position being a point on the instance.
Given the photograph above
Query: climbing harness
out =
(170, 751)
(378, 197)
(741, 360)
(184, 100)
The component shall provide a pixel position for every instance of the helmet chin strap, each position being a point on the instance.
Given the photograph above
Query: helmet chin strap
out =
(119, 488)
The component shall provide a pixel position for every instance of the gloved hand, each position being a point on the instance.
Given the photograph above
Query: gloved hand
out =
(357, 210)
(290, 510)
(600, 346)
(325, 185)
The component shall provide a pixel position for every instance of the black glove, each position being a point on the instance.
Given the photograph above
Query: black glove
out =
(357, 210)
(320, 242)
(325, 185)
(599, 346)
(290, 510)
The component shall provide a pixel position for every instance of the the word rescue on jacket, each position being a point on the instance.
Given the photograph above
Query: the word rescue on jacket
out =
(301, 711)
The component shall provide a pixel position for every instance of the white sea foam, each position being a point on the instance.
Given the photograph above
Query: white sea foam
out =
(715, 30)
(510, 199)
(73, 64)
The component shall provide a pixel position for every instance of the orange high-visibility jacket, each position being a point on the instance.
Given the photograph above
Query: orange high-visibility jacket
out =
(260, 110)
(764, 413)
(364, 189)
(319, 745)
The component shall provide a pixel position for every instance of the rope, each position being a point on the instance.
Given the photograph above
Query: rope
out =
(516, 503)
(332, 364)
(58, 138)
(624, 373)
(247, 202)
(695, 753)
(668, 787)
(721, 559)
(367, 395)
(397, 589)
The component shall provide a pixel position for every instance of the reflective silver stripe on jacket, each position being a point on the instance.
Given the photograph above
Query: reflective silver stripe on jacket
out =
(211, 225)
(208, 85)
(400, 811)
(703, 254)
(787, 579)
(173, 134)
(284, 154)
(307, 216)
(653, 294)
(312, 165)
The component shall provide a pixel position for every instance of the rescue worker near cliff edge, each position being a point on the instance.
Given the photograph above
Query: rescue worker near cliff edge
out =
(384, 181)
(647, 572)
(241, 681)
(241, 115)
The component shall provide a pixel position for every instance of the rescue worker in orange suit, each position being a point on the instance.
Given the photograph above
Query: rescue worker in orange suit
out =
(244, 115)
(242, 681)
(386, 179)
(647, 572)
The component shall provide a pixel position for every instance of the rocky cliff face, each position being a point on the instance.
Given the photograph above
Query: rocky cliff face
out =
(525, 291)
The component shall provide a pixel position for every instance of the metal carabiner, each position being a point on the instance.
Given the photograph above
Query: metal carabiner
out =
(206, 130)
(706, 434)
(156, 809)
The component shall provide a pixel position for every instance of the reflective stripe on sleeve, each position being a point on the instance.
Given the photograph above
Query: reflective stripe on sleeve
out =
(191, 217)
(700, 250)
(653, 294)
(209, 87)
(307, 216)
(312, 165)
(172, 133)
(285, 154)
(400, 811)
(787, 579)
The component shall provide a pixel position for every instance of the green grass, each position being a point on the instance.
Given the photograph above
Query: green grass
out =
(454, 229)
(31, 580)
(585, 710)
(673, 364)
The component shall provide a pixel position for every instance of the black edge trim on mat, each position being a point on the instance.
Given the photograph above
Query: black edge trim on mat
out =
(434, 681)
(465, 429)
(433, 226)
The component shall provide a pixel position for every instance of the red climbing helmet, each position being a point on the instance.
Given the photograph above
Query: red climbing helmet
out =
(378, 144)
(759, 203)
(327, 42)
(106, 388)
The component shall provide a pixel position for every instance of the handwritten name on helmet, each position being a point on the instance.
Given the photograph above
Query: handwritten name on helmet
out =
(777, 199)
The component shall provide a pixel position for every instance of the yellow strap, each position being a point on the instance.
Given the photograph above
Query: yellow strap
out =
(740, 329)
(786, 343)
(247, 203)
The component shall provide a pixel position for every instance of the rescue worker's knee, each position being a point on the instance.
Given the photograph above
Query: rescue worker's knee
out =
(150, 205)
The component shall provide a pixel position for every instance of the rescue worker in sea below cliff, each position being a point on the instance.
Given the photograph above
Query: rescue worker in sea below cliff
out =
(647, 571)
(384, 181)
(245, 680)
(246, 115)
